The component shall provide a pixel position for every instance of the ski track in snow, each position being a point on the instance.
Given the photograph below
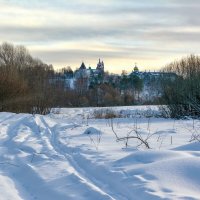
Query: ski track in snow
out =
(76, 170)
(36, 162)
(81, 167)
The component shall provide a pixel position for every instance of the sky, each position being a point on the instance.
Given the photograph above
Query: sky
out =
(64, 33)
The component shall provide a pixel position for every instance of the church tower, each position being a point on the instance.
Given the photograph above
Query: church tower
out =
(82, 66)
(100, 66)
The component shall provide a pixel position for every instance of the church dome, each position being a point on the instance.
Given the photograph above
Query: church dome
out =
(136, 69)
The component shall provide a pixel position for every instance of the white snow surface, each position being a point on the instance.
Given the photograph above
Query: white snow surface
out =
(69, 155)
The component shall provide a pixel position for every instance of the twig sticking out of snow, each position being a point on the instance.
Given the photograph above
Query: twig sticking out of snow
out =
(137, 136)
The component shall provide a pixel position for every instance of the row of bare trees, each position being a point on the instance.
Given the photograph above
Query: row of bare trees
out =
(24, 81)
(182, 94)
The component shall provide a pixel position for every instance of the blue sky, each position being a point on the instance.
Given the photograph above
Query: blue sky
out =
(66, 32)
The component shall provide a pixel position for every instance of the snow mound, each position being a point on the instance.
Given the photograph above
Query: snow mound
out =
(92, 131)
(174, 178)
(146, 157)
(164, 174)
(189, 147)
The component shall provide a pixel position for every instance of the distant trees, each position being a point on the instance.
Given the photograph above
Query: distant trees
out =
(136, 83)
(15, 57)
(131, 86)
(67, 71)
(81, 88)
(7, 55)
(108, 95)
(24, 81)
(12, 86)
(182, 94)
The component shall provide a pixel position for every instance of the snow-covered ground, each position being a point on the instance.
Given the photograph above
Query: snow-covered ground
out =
(70, 155)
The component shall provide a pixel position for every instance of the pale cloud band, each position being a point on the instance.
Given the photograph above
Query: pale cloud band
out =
(122, 32)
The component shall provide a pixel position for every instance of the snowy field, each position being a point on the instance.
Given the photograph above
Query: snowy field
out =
(73, 154)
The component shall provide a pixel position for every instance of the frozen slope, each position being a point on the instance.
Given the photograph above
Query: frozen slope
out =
(63, 156)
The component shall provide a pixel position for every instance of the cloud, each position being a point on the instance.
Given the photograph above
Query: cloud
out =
(117, 30)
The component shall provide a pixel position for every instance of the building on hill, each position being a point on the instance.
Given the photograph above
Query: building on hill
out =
(151, 83)
(145, 87)
(149, 75)
(83, 71)
(82, 67)
(93, 76)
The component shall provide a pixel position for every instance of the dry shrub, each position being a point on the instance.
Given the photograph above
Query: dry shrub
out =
(106, 114)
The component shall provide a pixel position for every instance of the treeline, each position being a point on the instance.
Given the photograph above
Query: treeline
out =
(182, 94)
(24, 81)
(29, 85)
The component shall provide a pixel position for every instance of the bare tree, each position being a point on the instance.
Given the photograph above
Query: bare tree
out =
(137, 136)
